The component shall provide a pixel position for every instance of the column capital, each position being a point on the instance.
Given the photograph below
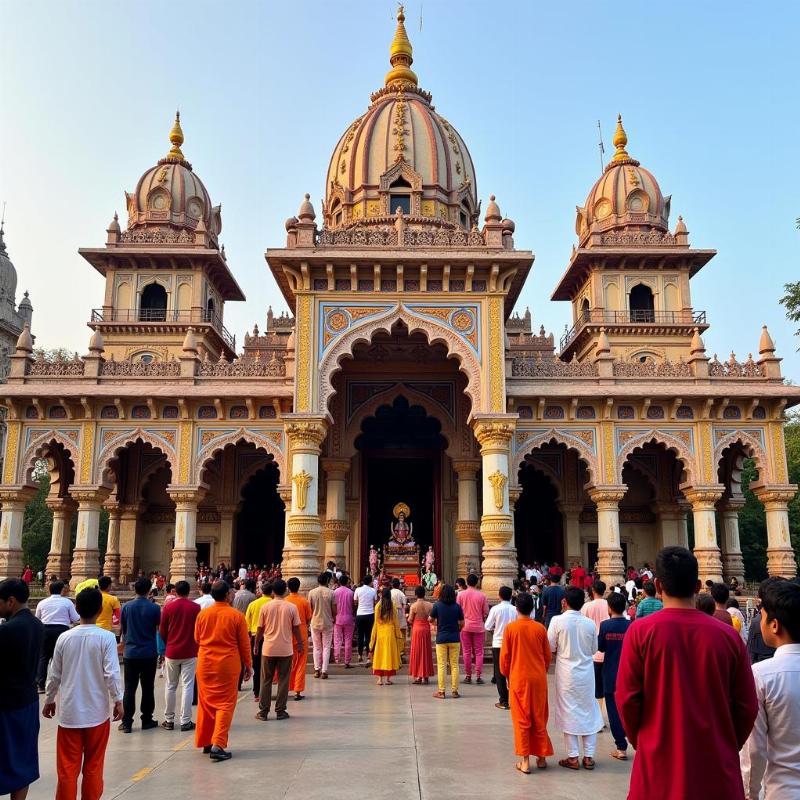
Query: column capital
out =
(88, 496)
(703, 497)
(285, 493)
(305, 432)
(731, 505)
(466, 469)
(335, 468)
(494, 431)
(775, 497)
(61, 505)
(22, 495)
(186, 497)
(335, 530)
(570, 508)
(607, 496)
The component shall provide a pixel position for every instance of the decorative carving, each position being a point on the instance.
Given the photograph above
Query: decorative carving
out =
(157, 236)
(734, 369)
(306, 434)
(302, 480)
(652, 369)
(57, 366)
(112, 368)
(303, 340)
(13, 431)
(496, 354)
(498, 482)
(86, 453)
(275, 367)
(494, 435)
(645, 239)
(550, 367)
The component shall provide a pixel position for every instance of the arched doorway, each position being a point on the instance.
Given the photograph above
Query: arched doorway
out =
(538, 529)
(401, 448)
(153, 304)
(642, 304)
(260, 521)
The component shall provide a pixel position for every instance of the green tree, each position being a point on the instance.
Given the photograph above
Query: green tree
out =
(37, 524)
(791, 302)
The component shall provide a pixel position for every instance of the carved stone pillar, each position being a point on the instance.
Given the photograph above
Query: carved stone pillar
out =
(86, 556)
(183, 565)
(571, 516)
(60, 557)
(227, 515)
(467, 527)
(499, 568)
(610, 563)
(301, 556)
(780, 555)
(732, 561)
(336, 528)
(128, 525)
(14, 503)
(706, 550)
(111, 562)
(671, 519)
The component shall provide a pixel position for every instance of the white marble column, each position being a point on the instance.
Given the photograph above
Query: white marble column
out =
(86, 556)
(499, 567)
(183, 565)
(301, 555)
(336, 528)
(467, 527)
(610, 563)
(780, 555)
(60, 557)
(111, 561)
(706, 549)
(732, 561)
(13, 514)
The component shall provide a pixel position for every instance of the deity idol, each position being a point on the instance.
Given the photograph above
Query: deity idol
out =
(430, 560)
(401, 532)
(373, 560)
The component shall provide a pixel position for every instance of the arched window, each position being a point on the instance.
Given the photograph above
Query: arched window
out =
(465, 216)
(398, 198)
(210, 309)
(153, 306)
(641, 304)
(585, 309)
(336, 213)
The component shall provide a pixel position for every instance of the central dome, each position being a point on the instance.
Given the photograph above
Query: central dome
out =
(401, 154)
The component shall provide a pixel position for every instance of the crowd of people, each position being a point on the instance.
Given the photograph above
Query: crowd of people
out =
(711, 707)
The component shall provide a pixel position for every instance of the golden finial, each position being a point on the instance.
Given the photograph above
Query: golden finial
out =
(176, 137)
(401, 54)
(620, 140)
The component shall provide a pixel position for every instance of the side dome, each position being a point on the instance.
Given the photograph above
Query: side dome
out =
(171, 194)
(625, 196)
(400, 154)
(8, 274)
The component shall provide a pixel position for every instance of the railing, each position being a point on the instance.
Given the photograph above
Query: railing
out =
(183, 316)
(642, 316)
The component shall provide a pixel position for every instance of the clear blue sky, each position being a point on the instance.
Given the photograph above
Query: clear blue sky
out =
(708, 92)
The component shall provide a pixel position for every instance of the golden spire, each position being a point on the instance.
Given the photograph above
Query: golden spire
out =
(401, 54)
(620, 140)
(176, 137)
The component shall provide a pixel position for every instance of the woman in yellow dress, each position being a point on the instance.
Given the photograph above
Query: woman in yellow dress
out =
(386, 641)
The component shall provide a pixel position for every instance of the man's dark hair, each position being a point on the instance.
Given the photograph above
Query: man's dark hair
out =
(709, 583)
(279, 587)
(16, 588)
(366, 581)
(104, 583)
(56, 587)
(533, 581)
(706, 604)
(574, 597)
(472, 579)
(266, 588)
(599, 588)
(324, 578)
(142, 586)
(219, 590)
(781, 601)
(676, 568)
(649, 588)
(205, 587)
(250, 585)
(554, 579)
(89, 602)
(419, 591)
(447, 595)
(504, 592)
(461, 582)
(292, 583)
(395, 583)
(170, 587)
(182, 588)
(732, 603)
(720, 592)
(616, 602)
(524, 602)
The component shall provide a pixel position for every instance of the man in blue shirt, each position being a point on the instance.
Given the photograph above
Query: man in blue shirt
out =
(140, 618)
(609, 641)
(551, 598)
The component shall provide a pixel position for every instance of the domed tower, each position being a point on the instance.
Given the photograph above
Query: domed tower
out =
(12, 317)
(629, 275)
(166, 271)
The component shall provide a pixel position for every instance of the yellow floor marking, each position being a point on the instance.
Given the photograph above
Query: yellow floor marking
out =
(182, 744)
(142, 773)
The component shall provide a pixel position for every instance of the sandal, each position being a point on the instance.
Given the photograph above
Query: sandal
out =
(523, 771)
(417, 681)
(588, 762)
(439, 695)
(541, 762)
(620, 755)
(569, 763)
(389, 683)
(455, 693)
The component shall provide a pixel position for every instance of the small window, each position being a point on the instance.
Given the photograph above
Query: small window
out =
(338, 218)
(153, 305)
(401, 201)
(147, 358)
(463, 220)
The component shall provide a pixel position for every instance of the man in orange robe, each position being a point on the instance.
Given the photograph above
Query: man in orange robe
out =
(297, 677)
(224, 645)
(524, 659)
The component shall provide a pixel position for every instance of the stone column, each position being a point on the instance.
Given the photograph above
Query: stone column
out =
(683, 524)
(499, 568)
(571, 516)
(86, 556)
(610, 563)
(780, 555)
(336, 528)
(111, 562)
(59, 557)
(467, 528)
(706, 550)
(129, 522)
(732, 561)
(184, 552)
(227, 515)
(301, 555)
(671, 520)
(14, 503)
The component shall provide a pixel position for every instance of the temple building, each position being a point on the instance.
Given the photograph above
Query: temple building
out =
(400, 378)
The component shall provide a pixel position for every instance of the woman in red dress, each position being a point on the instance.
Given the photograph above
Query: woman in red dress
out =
(420, 666)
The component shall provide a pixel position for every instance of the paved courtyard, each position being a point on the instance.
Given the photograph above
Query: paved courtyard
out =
(347, 739)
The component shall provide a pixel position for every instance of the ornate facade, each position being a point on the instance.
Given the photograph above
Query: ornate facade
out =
(400, 375)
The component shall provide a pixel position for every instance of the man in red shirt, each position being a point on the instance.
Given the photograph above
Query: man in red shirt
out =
(577, 575)
(177, 631)
(685, 692)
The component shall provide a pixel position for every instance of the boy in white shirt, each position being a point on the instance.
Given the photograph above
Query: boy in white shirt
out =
(85, 668)
(499, 617)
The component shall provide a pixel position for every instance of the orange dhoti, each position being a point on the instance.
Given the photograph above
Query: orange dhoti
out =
(297, 677)
(76, 747)
(524, 658)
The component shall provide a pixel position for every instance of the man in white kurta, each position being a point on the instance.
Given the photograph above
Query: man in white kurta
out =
(573, 640)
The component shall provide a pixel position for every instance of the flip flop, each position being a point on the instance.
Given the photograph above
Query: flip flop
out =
(619, 756)
(523, 771)
(542, 765)
(439, 695)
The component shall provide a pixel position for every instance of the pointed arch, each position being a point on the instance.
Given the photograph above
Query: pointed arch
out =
(269, 441)
(752, 448)
(679, 448)
(468, 361)
(37, 449)
(118, 442)
(555, 436)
